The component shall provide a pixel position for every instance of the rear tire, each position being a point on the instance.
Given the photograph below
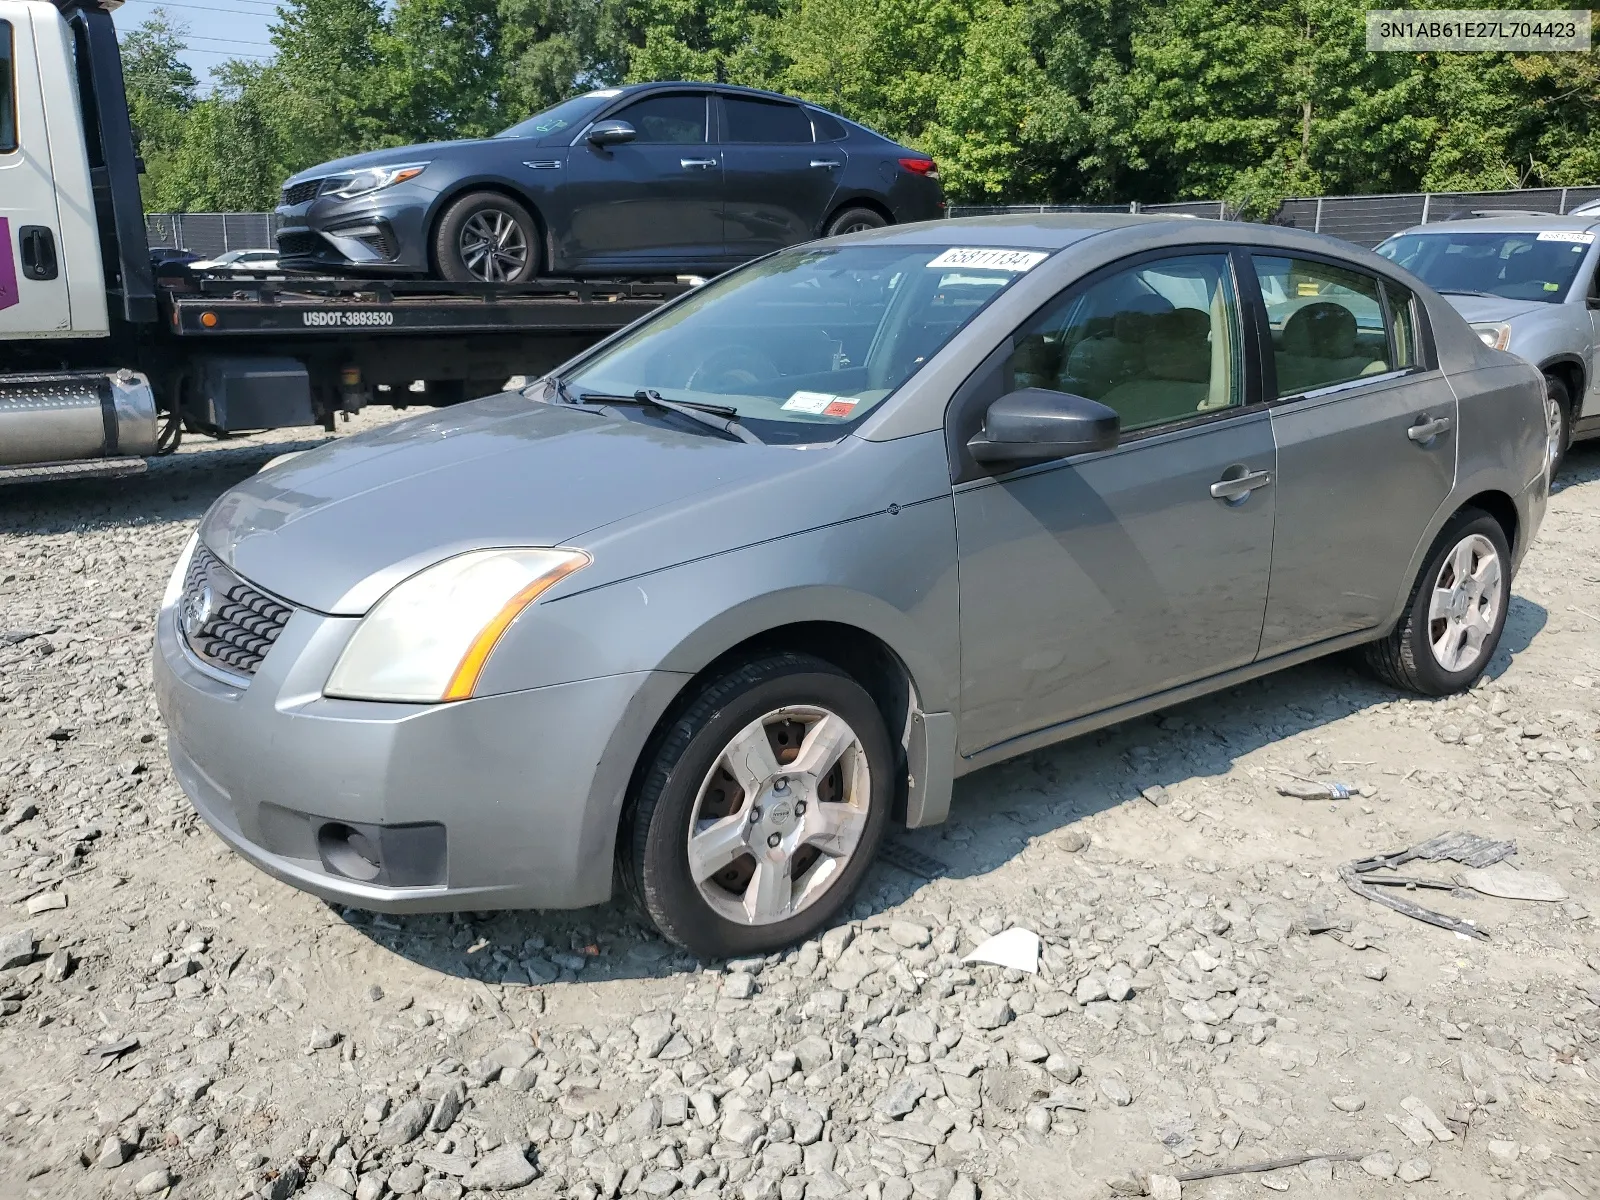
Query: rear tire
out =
(855, 220)
(485, 237)
(1453, 620)
(1558, 414)
(729, 788)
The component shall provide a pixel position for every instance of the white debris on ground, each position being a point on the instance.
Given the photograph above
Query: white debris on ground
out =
(1209, 994)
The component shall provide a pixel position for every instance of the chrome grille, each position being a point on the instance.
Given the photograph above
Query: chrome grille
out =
(226, 622)
(299, 193)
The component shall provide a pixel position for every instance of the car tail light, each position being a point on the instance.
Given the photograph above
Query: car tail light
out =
(925, 167)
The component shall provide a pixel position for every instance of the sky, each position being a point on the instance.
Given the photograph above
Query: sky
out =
(218, 29)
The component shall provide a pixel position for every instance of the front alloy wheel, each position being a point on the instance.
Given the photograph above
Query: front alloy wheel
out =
(760, 808)
(492, 246)
(1464, 611)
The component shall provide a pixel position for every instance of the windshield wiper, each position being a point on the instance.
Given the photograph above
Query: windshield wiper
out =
(1467, 292)
(722, 418)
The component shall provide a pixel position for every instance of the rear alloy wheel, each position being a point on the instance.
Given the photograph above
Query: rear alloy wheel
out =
(763, 808)
(485, 237)
(1558, 422)
(1456, 614)
(855, 220)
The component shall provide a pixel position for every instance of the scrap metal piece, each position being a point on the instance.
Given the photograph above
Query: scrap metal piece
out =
(912, 862)
(1466, 848)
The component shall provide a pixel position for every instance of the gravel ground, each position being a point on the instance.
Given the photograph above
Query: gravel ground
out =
(1209, 993)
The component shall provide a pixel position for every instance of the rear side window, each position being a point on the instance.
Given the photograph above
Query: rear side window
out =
(1403, 316)
(672, 120)
(826, 125)
(1327, 323)
(766, 121)
(8, 93)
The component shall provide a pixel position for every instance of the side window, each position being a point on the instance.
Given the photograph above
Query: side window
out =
(1403, 345)
(677, 119)
(826, 125)
(1159, 343)
(1327, 323)
(8, 93)
(766, 121)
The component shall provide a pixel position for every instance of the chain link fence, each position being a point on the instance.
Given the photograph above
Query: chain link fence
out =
(1364, 220)
(212, 233)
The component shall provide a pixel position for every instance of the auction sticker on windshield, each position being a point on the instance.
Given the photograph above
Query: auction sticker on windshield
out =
(809, 402)
(1564, 235)
(991, 260)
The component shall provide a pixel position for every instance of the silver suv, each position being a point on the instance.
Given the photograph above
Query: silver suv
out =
(1526, 283)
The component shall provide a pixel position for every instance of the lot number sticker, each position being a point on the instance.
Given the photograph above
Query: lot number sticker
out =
(991, 260)
(1562, 235)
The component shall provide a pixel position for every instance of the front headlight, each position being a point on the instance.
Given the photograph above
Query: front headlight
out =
(427, 640)
(348, 187)
(1497, 337)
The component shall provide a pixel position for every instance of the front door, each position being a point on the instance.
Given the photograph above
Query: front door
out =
(779, 182)
(1366, 440)
(654, 202)
(33, 282)
(1094, 581)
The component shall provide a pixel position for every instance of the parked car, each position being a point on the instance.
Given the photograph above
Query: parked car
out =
(240, 260)
(655, 179)
(730, 592)
(1527, 284)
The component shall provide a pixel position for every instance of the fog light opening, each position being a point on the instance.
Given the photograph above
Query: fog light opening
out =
(348, 852)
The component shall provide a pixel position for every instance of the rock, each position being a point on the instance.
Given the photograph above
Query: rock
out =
(909, 936)
(1116, 1091)
(323, 1038)
(502, 1170)
(989, 1014)
(16, 949)
(1429, 1119)
(406, 1180)
(933, 1184)
(113, 1152)
(409, 1120)
(1348, 1104)
(46, 902)
(739, 986)
(160, 1179)
(644, 1120)
(322, 1190)
(1165, 1187)
(654, 1031)
(1037, 1119)
(1413, 1170)
(741, 1129)
(58, 966)
(901, 1097)
(916, 1027)
(441, 1189)
(658, 1184)
(370, 1186)
(813, 1052)
(448, 1106)
(1380, 1165)
(1376, 971)
(1090, 988)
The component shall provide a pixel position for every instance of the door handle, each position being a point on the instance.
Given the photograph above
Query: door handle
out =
(825, 162)
(38, 246)
(1425, 430)
(691, 163)
(1237, 487)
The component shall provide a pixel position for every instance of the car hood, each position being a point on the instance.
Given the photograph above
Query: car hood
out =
(383, 158)
(1491, 308)
(336, 527)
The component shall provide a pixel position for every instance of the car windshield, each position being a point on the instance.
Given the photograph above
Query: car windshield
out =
(806, 343)
(569, 114)
(1524, 265)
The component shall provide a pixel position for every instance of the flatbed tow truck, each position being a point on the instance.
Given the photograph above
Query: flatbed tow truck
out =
(107, 355)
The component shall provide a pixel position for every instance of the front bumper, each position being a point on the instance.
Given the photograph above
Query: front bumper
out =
(528, 785)
(384, 233)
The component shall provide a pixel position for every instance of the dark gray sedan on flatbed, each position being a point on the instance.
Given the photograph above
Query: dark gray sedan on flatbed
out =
(711, 606)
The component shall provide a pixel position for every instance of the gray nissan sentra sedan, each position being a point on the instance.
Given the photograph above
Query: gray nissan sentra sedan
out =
(728, 594)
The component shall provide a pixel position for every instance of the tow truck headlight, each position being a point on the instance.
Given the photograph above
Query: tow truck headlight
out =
(429, 637)
(348, 187)
(1496, 336)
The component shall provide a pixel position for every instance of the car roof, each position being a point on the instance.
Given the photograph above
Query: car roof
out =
(1521, 223)
(1039, 231)
(729, 89)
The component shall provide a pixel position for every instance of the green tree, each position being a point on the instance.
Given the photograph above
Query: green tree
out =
(161, 92)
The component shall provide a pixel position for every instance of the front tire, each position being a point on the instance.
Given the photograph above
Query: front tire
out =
(762, 809)
(485, 237)
(1558, 421)
(1456, 614)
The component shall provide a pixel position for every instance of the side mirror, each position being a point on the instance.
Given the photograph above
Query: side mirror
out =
(1594, 301)
(1036, 425)
(611, 133)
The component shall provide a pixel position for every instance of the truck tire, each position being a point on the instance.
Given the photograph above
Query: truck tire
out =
(486, 237)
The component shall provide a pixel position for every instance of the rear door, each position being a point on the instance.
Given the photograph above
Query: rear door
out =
(1366, 434)
(652, 203)
(33, 285)
(778, 181)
